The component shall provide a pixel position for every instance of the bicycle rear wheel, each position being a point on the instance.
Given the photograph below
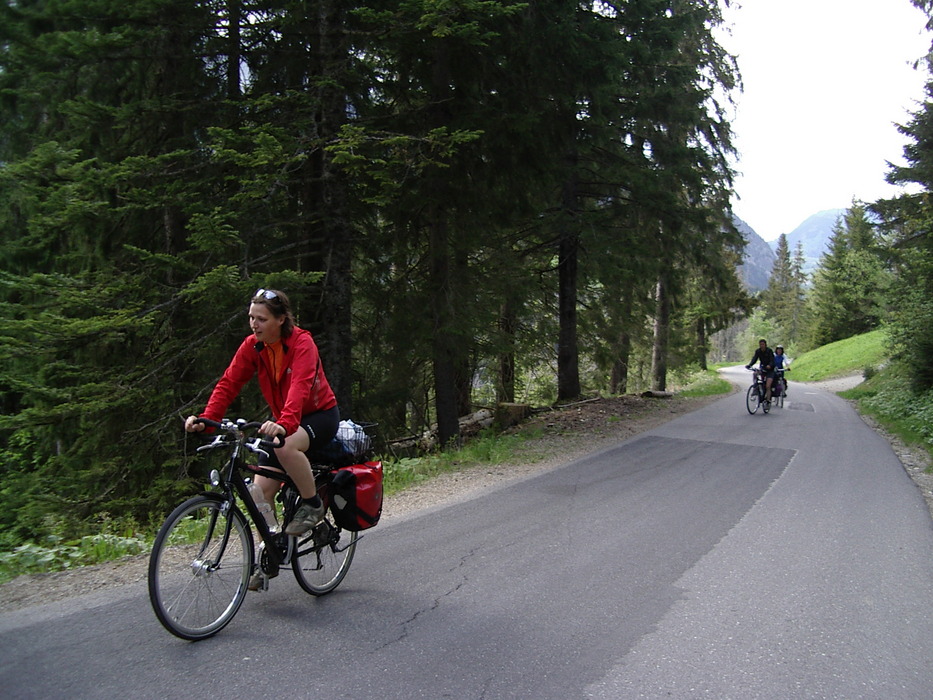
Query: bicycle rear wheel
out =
(199, 567)
(323, 556)
(752, 399)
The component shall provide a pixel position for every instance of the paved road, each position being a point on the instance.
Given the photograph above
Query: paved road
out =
(722, 555)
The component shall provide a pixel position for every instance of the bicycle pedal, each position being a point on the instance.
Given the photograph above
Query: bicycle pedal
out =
(259, 581)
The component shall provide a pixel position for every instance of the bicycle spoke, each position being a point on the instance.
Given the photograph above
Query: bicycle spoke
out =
(195, 595)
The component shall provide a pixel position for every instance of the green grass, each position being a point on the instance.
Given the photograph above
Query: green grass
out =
(488, 449)
(888, 398)
(32, 558)
(854, 355)
(885, 395)
(707, 383)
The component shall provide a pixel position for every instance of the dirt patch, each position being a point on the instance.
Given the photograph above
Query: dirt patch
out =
(561, 435)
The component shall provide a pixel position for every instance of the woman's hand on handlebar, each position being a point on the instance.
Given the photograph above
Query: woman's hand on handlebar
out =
(271, 428)
(193, 424)
(275, 434)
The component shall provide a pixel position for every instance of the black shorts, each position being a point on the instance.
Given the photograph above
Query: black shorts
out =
(321, 426)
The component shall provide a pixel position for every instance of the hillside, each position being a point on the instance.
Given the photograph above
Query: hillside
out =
(758, 262)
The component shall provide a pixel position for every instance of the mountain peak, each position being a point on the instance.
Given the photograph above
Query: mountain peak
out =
(813, 234)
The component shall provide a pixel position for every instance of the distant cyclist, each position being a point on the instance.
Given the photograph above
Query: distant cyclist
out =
(781, 361)
(764, 356)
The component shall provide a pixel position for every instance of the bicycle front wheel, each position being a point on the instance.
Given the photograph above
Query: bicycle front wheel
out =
(200, 566)
(752, 399)
(323, 556)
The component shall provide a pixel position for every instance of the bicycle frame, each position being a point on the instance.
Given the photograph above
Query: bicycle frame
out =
(200, 571)
(233, 484)
(755, 396)
(758, 381)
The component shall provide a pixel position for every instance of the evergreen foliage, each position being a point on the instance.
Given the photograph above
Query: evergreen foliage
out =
(485, 194)
(784, 300)
(850, 286)
(907, 224)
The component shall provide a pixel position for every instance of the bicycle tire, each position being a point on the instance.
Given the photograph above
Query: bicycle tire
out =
(323, 556)
(200, 566)
(751, 399)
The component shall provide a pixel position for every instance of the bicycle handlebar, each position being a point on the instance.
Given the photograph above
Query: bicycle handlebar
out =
(235, 430)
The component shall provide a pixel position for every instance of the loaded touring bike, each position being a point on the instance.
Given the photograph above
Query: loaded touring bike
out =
(755, 396)
(204, 554)
(779, 387)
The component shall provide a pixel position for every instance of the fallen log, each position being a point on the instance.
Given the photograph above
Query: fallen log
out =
(654, 394)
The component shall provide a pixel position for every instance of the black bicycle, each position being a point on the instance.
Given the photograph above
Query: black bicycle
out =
(779, 386)
(205, 554)
(755, 396)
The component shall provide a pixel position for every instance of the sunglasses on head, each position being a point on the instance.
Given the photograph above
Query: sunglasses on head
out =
(266, 294)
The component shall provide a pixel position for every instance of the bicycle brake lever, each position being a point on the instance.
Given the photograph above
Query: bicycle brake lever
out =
(218, 441)
(254, 446)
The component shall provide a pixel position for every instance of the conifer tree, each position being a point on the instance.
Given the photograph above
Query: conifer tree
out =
(97, 123)
(798, 320)
(849, 286)
(907, 223)
(778, 298)
(410, 173)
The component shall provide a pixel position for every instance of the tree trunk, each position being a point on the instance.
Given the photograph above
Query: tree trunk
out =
(234, 53)
(331, 235)
(701, 343)
(464, 361)
(568, 369)
(442, 340)
(661, 336)
(618, 382)
(337, 346)
(505, 390)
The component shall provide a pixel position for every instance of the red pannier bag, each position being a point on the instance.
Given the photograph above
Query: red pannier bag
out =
(356, 495)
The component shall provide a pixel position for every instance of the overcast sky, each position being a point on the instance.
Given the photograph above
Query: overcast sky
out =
(825, 81)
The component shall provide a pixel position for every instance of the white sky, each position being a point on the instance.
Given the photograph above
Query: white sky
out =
(825, 81)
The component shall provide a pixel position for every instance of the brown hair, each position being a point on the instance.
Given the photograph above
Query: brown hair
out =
(278, 304)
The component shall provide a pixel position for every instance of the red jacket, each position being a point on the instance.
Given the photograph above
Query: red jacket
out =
(303, 388)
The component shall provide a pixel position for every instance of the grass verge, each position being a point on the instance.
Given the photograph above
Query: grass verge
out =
(886, 394)
(861, 354)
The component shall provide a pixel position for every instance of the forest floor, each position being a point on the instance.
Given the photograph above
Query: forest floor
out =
(561, 435)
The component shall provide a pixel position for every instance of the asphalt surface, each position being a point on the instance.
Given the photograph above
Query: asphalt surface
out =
(722, 555)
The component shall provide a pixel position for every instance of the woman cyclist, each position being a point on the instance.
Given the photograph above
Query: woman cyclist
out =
(304, 410)
(781, 361)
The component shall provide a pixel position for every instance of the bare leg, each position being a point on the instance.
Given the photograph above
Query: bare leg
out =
(295, 463)
(269, 487)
